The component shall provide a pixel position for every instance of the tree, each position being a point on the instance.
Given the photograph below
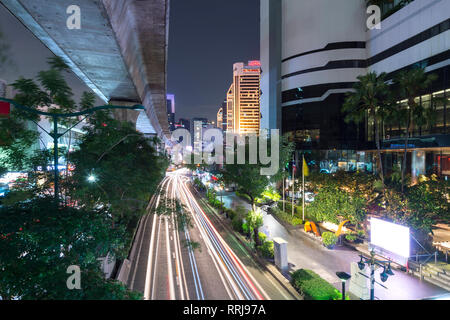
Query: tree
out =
(48, 91)
(411, 84)
(124, 167)
(38, 242)
(248, 178)
(371, 97)
(255, 221)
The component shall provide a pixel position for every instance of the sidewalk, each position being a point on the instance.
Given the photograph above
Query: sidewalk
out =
(304, 252)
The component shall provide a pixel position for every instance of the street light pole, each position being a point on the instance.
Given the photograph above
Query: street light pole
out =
(372, 281)
(372, 262)
(55, 157)
(344, 276)
(55, 134)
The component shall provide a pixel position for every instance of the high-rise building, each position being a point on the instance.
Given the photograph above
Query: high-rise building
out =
(311, 55)
(171, 111)
(199, 125)
(220, 118)
(243, 99)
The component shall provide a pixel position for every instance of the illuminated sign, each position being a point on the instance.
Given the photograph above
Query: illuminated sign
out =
(254, 63)
(390, 236)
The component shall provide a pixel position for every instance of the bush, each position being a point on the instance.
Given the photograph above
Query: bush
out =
(297, 221)
(262, 237)
(246, 229)
(287, 217)
(231, 214)
(236, 223)
(329, 239)
(313, 287)
(266, 249)
(350, 237)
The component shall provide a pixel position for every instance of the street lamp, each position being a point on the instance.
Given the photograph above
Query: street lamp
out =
(372, 262)
(344, 276)
(92, 178)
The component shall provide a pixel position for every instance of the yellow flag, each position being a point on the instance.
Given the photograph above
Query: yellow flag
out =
(305, 168)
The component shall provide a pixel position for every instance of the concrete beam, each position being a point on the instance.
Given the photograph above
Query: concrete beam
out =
(91, 52)
(141, 29)
(120, 52)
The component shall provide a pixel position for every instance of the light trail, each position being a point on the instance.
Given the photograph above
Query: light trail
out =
(168, 274)
(240, 277)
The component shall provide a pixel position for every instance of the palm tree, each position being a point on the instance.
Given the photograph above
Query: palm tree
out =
(371, 97)
(411, 84)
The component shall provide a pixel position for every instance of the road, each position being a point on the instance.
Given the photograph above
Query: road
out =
(167, 265)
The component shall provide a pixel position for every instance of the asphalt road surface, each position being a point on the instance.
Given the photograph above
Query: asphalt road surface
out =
(173, 262)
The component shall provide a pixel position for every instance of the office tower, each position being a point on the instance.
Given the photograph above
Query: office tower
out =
(311, 55)
(243, 99)
(171, 111)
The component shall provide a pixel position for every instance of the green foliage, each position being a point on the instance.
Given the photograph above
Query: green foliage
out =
(350, 237)
(231, 213)
(341, 196)
(246, 176)
(266, 249)
(422, 205)
(255, 221)
(329, 239)
(269, 194)
(237, 224)
(287, 217)
(262, 237)
(39, 241)
(198, 184)
(119, 157)
(313, 287)
(246, 229)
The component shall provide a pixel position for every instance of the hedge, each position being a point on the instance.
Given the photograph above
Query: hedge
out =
(287, 217)
(313, 287)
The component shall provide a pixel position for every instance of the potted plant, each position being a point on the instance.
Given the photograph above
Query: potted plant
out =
(329, 239)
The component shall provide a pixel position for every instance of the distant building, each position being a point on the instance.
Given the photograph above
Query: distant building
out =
(171, 111)
(222, 117)
(243, 99)
(2, 88)
(183, 123)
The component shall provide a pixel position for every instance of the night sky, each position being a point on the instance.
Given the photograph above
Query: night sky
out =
(206, 38)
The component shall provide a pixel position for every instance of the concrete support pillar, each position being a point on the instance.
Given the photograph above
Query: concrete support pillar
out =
(280, 253)
(124, 114)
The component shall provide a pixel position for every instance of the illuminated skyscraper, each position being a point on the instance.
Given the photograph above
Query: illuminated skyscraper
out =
(243, 99)
(220, 118)
(171, 111)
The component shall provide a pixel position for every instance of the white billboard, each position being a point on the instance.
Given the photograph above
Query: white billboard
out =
(390, 236)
